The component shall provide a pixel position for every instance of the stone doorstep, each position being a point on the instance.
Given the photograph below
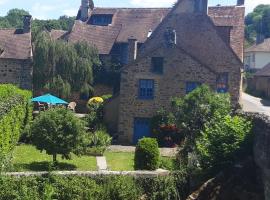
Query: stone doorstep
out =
(101, 163)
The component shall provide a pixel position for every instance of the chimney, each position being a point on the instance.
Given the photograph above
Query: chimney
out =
(85, 10)
(240, 2)
(27, 21)
(132, 49)
(201, 6)
(260, 38)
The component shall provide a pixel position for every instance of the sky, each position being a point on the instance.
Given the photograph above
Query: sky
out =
(52, 9)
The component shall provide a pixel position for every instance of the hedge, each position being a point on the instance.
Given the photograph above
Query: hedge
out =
(147, 155)
(87, 188)
(15, 114)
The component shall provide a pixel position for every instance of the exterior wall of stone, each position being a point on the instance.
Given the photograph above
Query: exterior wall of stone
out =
(17, 72)
(111, 114)
(179, 68)
(101, 89)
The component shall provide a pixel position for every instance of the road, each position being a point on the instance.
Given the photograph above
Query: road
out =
(254, 104)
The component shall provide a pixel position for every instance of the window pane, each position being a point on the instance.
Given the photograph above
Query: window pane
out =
(222, 83)
(146, 89)
(190, 86)
(157, 65)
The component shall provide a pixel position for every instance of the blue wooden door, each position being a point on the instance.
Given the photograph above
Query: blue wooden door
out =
(141, 129)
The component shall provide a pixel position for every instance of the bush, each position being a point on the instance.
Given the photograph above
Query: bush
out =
(121, 188)
(147, 154)
(223, 140)
(15, 114)
(94, 119)
(58, 131)
(99, 141)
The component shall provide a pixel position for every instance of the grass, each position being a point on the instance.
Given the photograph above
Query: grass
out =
(120, 161)
(28, 158)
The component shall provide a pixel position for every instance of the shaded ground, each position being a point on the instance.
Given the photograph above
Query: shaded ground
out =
(255, 104)
(28, 158)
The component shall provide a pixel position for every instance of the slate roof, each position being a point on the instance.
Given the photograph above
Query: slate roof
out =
(263, 47)
(265, 71)
(197, 35)
(57, 34)
(137, 22)
(15, 44)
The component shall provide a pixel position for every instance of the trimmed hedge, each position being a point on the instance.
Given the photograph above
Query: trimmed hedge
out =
(147, 155)
(15, 114)
(86, 188)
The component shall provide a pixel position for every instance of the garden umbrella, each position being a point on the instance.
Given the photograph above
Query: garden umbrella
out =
(50, 99)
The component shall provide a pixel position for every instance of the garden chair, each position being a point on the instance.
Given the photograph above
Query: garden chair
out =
(72, 106)
(41, 106)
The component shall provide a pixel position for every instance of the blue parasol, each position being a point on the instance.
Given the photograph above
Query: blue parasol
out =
(50, 99)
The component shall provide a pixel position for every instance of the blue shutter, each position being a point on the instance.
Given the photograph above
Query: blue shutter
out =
(146, 89)
(190, 86)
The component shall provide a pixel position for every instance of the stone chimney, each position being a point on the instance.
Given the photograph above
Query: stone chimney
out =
(201, 6)
(132, 49)
(240, 2)
(27, 22)
(260, 38)
(85, 10)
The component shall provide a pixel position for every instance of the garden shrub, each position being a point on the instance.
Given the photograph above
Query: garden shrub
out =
(94, 119)
(121, 188)
(99, 141)
(59, 131)
(15, 114)
(147, 155)
(223, 141)
(99, 188)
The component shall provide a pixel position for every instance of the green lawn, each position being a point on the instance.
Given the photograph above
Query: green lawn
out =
(28, 158)
(120, 161)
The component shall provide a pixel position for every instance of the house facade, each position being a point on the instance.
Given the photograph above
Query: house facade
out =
(16, 58)
(258, 55)
(185, 51)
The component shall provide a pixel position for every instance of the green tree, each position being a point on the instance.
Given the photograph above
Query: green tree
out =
(223, 140)
(74, 63)
(15, 17)
(58, 131)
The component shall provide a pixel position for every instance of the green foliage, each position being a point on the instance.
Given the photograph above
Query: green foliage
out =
(62, 65)
(94, 119)
(59, 87)
(147, 155)
(15, 114)
(197, 108)
(99, 141)
(258, 22)
(14, 19)
(171, 187)
(223, 141)
(121, 188)
(58, 131)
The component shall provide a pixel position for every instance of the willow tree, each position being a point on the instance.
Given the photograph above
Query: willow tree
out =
(62, 62)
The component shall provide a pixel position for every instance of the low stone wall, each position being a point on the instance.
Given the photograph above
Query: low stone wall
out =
(93, 174)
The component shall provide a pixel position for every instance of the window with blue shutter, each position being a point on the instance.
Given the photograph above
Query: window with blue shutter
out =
(190, 86)
(146, 89)
(222, 83)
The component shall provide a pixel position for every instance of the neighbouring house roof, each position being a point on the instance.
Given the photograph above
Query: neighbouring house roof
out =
(265, 71)
(57, 34)
(15, 44)
(137, 22)
(263, 47)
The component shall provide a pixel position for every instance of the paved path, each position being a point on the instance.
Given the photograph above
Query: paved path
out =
(255, 105)
(167, 152)
(101, 163)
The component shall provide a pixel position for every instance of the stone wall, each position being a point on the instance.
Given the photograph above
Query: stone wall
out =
(17, 72)
(111, 114)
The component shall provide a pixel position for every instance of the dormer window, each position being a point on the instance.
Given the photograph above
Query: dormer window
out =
(101, 19)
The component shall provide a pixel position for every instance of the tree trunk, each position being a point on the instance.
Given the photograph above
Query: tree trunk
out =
(54, 159)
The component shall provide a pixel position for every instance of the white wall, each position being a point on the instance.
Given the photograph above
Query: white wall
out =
(257, 60)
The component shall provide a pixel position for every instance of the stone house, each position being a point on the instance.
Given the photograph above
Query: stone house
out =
(258, 55)
(260, 82)
(16, 56)
(186, 49)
